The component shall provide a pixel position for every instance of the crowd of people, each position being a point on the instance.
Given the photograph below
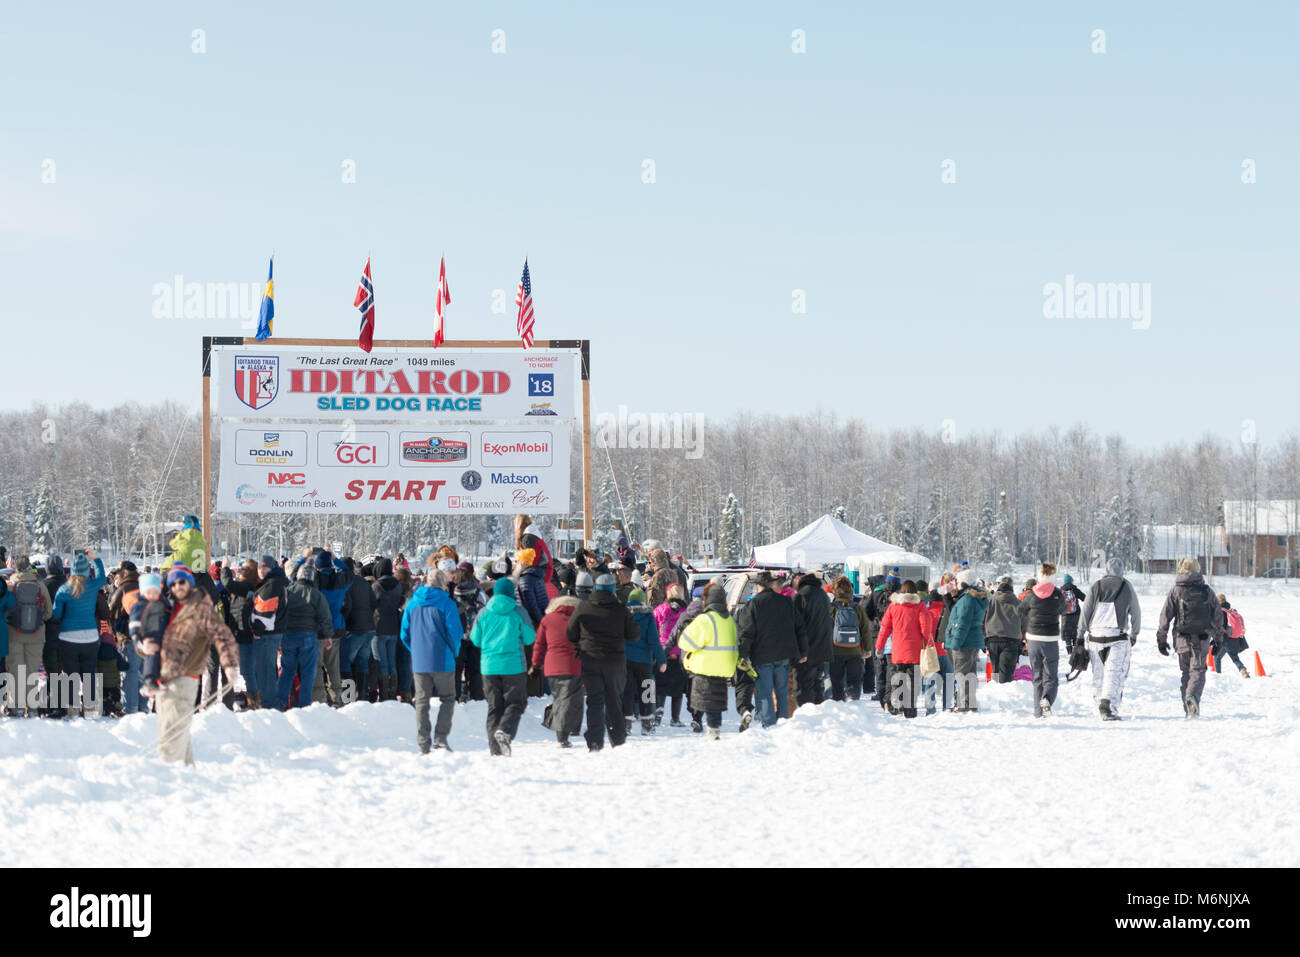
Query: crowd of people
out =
(615, 640)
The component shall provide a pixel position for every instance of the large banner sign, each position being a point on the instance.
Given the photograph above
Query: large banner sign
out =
(399, 470)
(433, 385)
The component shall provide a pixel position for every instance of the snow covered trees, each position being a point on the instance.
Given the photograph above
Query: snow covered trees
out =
(728, 544)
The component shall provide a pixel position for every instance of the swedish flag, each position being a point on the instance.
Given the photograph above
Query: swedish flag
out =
(267, 314)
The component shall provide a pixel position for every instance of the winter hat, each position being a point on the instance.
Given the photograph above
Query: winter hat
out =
(605, 582)
(447, 566)
(306, 573)
(467, 567)
(179, 572)
(128, 566)
(269, 561)
(504, 586)
(81, 565)
(191, 521)
(323, 561)
(1116, 567)
(636, 597)
(966, 577)
(1068, 579)
(583, 583)
(23, 564)
(150, 581)
(622, 541)
(526, 557)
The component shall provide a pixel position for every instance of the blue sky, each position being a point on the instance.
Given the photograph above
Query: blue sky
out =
(775, 171)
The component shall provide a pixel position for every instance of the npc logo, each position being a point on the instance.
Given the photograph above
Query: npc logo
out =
(471, 481)
(257, 380)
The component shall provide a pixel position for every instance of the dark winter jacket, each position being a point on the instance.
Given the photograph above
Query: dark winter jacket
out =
(431, 630)
(602, 628)
(1188, 590)
(552, 651)
(388, 599)
(270, 603)
(308, 610)
(1002, 619)
(966, 623)
(470, 599)
(1071, 596)
(532, 594)
(770, 630)
(359, 606)
(864, 647)
(241, 605)
(1041, 611)
(814, 608)
(648, 650)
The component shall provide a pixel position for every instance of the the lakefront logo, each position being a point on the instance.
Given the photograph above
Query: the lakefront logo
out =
(1098, 300)
(652, 430)
(77, 910)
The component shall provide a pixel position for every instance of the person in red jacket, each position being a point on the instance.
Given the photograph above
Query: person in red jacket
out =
(912, 626)
(558, 659)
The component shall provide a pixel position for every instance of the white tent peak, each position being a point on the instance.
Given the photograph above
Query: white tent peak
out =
(825, 541)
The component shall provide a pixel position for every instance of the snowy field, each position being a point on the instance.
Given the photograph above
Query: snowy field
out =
(840, 784)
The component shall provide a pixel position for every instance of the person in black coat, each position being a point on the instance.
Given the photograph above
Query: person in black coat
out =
(600, 629)
(813, 606)
(771, 635)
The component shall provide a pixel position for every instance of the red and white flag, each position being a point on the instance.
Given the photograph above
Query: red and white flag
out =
(444, 299)
(365, 301)
(524, 300)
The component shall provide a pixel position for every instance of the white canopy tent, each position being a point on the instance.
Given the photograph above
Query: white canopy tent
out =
(826, 541)
(909, 564)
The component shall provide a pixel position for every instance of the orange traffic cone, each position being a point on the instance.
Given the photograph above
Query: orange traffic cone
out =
(1209, 661)
(1259, 667)
(988, 669)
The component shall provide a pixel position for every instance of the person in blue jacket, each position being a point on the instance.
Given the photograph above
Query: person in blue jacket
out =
(532, 586)
(432, 632)
(331, 574)
(74, 610)
(965, 638)
(645, 657)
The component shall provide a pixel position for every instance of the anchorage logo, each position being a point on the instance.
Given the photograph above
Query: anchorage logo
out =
(257, 380)
(75, 910)
(1098, 300)
(471, 481)
(435, 450)
(245, 495)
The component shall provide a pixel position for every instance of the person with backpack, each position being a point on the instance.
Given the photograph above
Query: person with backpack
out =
(431, 629)
(1109, 624)
(877, 604)
(1004, 631)
(645, 658)
(503, 635)
(558, 659)
(849, 630)
(25, 620)
(1233, 627)
(470, 599)
(75, 604)
(1073, 599)
(388, 598)
(964, 639)
(1191, 611)
(601, 628)
(308, 625)
(710, 656)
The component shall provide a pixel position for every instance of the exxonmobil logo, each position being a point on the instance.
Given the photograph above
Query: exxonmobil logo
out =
(286, 478)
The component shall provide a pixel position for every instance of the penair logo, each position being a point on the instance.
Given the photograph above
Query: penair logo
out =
(435, 450)
(471, 481)
(245, 495)
(286, 478)
(257, 380)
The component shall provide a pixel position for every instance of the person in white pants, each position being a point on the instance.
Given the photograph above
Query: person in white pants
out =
(1109, 623)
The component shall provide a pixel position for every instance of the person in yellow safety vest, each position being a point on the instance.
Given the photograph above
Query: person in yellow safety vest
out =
(189, 547)
(710, 652)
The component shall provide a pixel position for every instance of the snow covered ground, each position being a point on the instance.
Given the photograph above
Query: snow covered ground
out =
(840, 784)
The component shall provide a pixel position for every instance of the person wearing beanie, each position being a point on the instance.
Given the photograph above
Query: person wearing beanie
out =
(124, 595)
(431, 630)
(1004, 632)
(849, 633)
(532, 586)
(645, 659)
(358, 633)
(30, 609)
(814, 607)
(671, 685)
(1191, 611)
(583, 584)
(195, 627)
(1233, 628)
(710, 656)
(601, 629)
(308, 625)
(910, 626)
(555, 655)
(1040, 614)
(146, 624)
(470, 600)
(387, 599)
(1073, 598)
(964, 639)
(877, 605)
(623, 579)
(502, 636)
(188, 546)
(74, 610)
(1108, 628)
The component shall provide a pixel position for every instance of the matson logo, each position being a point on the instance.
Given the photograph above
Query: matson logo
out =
(529, 449)
(513, 478)
(286, 478)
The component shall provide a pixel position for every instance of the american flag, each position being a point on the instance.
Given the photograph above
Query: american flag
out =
(444, 299)
(524, 300)
(365, 301)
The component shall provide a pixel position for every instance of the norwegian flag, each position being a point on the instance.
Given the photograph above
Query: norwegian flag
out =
(444, 299)
(524, 300)
(365, 301)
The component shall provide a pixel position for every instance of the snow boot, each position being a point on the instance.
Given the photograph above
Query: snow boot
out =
(1044, 708)
(1106, 714)
(647, 726)
(675, 723)
(745, 720)
(715, 734)
(1192, 707)
(909, 712)
(696, 727)
(659, 716)
(503, 743)
(1244, 672)
(627, 722)
(387, 687)
(563, 738)
(254, 701)
(440, 744)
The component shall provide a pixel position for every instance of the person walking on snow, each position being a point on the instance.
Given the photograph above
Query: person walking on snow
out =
(1004, 631)
(1041, 613)
(710, 655)
(558, 659)
(1108, 627)
(911, 627)
(601, 629)
(1191, 611)
(502, 635)
(431, 631)
(965, 638)
(1233, 627)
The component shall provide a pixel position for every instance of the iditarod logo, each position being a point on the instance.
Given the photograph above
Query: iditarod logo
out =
(257, 380)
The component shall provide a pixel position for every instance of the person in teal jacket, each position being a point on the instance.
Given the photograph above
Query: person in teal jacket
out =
(965, 638)
(503, 636)
(7, 602)
(74, 609)
(645, 659)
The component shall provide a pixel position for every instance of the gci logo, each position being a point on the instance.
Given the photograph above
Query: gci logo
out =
(352, 453)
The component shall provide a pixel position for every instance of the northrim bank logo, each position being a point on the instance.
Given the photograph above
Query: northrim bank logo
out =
(257, 380)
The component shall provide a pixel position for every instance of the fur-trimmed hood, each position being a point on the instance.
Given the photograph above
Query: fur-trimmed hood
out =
(561, 601)
(904, 598)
